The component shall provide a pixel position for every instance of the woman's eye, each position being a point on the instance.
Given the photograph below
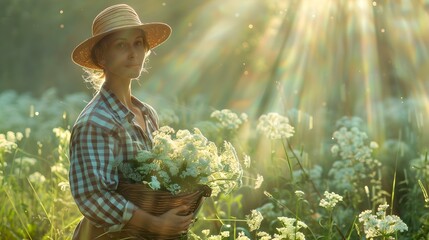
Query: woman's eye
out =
(120, 45)
(139, 43)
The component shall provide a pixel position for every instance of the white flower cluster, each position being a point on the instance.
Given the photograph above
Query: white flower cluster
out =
(181, 160)
(290, 229)
(8, 141)
(26, 165)
(254, 220)
(299, 194)
(259, 181)
(229, 119)
(330, 201)
(275, 126)
(37, 177)
(380, 224)
(63, 135)
(222, 235)
(356, 164)
(60, 169)
(351, 144)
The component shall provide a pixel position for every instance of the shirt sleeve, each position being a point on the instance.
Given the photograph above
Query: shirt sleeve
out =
(94, 177)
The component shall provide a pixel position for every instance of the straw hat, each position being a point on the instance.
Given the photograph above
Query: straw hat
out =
(114, 18)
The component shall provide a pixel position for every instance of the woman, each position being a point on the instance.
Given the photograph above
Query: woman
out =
(114, 126)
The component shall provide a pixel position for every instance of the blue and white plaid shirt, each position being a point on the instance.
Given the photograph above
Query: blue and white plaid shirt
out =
(103, 137)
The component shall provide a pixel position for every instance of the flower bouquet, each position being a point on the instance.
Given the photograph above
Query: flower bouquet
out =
(181, 168)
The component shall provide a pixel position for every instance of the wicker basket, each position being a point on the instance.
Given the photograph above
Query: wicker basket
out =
(159, 202)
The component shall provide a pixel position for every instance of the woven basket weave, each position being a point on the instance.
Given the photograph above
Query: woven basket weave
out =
(159, 202)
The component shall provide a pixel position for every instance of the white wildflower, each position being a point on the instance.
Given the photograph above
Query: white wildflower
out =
(27, 161)
(299, 194)
(64, 186)
(330, 200)
(242, 236)
(19, 136)
(290, 230)
(36, 177)
(62, 134)
(205, 232)
(215, 237)
(225, 234)
(373, 145)
(246, 161)
(10, 136)
(155, 184)
(381, 210)
(381, 224)
(59, 168)
(264, 236)
(27, 132)
(259, 181)
(254, 220)
(229, 119)
(275, 126)
(6, 145)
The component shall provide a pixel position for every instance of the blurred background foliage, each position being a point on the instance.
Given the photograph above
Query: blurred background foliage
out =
(324, 59)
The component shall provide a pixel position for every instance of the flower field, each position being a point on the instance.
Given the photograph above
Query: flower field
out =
(350, 186)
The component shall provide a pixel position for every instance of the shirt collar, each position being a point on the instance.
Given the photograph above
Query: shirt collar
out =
(118, 108)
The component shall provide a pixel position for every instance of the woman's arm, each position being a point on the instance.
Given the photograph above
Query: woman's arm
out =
(94, 177)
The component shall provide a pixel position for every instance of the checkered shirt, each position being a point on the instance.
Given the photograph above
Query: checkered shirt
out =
(103, 137)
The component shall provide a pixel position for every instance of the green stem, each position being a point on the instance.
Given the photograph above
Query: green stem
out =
(297, 217)
(393, 188)
(331, 221)
(288, 161)
(351, 228)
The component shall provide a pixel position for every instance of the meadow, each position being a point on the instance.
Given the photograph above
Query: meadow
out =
(326, 103)
(352, 187)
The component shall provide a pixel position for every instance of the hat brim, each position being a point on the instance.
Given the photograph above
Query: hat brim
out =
(156, 34)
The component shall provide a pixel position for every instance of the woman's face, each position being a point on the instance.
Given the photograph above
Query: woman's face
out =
(124, 54)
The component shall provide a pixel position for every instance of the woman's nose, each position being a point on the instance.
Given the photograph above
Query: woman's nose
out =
(133, 51)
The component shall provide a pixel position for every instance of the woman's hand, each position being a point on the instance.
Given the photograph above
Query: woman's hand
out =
(172, 222)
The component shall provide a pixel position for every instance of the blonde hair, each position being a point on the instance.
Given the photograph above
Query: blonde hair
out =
(96, 77)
